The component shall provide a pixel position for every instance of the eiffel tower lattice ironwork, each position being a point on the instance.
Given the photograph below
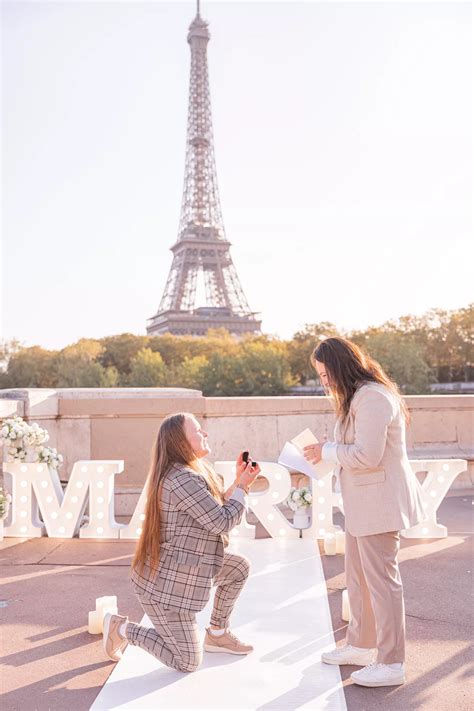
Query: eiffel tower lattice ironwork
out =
(201, 246)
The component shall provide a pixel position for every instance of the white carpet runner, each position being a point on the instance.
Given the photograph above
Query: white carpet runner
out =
(283, 611)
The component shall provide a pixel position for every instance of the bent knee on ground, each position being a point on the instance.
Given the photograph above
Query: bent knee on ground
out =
(189, 665)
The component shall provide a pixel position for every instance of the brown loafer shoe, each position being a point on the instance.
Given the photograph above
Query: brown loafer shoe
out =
(113, 642)
(226, 643)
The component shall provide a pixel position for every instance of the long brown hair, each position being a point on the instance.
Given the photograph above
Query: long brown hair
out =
(347, 368)
(171, 447)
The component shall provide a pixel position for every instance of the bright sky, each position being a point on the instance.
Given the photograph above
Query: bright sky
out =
(343, 148)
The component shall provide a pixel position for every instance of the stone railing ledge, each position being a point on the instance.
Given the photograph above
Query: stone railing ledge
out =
(442, 402)
(283, 405)
(125, 393)
(37, 402)
(126, 402)
(11, 408)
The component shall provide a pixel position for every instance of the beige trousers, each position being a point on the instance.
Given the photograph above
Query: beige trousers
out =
(375, 591)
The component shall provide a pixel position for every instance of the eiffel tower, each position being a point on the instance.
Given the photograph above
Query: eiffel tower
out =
(201, 247)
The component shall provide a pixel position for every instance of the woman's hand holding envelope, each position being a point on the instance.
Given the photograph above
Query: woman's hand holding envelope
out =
(313, 452)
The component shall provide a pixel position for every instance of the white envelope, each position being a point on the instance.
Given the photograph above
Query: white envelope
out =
(292, 457)
(304, 439)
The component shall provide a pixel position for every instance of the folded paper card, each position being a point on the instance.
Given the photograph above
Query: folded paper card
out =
(292, 457)
(304, 439)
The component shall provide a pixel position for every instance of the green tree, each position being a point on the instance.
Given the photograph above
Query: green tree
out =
(303, 344)
(148, 370)
(32, 367)
(78, 367)
(191, 373)
(175, 349)
(462, 323)
(118, 351)
(258, 369)
(450, 343)
(447, 340)
(400, 356)
(7, 350)
(415, 350)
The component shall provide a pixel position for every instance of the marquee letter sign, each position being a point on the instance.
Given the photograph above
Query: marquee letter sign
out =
(264, 503)
(440, 476)
(40, 506)
(133, 530)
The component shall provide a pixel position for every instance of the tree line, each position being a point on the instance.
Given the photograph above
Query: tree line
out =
(416, 351)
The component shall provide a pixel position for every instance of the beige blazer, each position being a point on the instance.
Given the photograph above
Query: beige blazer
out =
(380, 492)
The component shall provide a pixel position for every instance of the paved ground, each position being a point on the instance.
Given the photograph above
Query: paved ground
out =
(51, 662)
(437, 578)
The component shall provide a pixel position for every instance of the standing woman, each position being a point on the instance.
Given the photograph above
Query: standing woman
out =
(381, 496)
(180, 553)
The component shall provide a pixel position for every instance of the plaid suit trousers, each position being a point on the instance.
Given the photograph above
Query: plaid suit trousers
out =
(174, 637)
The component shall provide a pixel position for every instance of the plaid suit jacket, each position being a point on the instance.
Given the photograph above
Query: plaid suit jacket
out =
(192, 526)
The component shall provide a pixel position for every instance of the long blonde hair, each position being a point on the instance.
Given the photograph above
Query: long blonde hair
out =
(347, 368)
(171, 447)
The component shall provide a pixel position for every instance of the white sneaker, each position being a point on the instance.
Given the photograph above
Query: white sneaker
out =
(379, 675)
(349, 655)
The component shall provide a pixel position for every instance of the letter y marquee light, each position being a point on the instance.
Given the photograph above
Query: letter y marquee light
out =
(440, 476)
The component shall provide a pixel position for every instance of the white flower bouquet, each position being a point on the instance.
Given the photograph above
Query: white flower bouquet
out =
(49, 456)
(16, 454)
(13, 429)
(299, 498)
(35, 436)
(5, 501)
(22, 440)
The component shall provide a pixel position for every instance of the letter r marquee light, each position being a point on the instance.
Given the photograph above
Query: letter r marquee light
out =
(41, 507)
(264, 503)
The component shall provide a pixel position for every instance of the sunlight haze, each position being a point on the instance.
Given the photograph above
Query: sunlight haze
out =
(343, 149)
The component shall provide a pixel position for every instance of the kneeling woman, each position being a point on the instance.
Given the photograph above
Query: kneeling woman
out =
(181, 553)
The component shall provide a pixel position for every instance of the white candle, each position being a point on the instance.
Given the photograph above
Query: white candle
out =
(107, 601)
(105, 610)
(96, 618)
(330, 544)
(346, 608)
(94, 623)
(340, 542)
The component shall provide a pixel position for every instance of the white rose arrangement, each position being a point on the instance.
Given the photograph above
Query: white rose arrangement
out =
(5, 501)
(18, 437)
(13, 429)
(49, 456)
(299, 498)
